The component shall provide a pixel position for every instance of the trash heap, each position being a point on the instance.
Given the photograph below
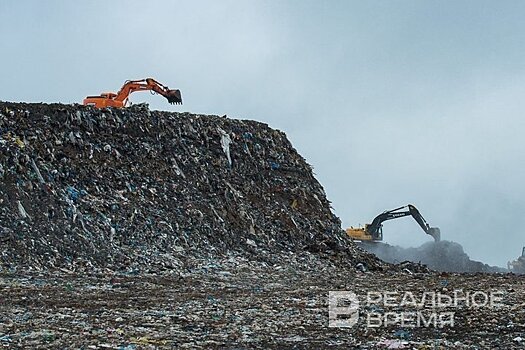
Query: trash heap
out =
(138, 189)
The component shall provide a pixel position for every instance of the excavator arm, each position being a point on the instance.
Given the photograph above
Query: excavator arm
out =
(375, 227)
(433, 231)
(373, 231)
(120, 99)
(173, 96)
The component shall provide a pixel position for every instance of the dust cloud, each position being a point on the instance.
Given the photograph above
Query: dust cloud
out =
(440, 256)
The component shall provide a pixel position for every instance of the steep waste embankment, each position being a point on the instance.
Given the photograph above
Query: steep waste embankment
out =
(134, 188)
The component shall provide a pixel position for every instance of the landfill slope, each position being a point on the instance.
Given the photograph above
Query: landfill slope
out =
(138, 189)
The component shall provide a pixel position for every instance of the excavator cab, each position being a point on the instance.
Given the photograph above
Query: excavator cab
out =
(365, 233)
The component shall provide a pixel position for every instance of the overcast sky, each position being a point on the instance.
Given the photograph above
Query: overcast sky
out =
(392, 102)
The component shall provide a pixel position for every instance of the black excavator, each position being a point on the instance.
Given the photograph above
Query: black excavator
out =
(374, 231)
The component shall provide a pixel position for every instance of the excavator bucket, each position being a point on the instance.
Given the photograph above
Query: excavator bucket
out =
(174, 97)
(435, 232)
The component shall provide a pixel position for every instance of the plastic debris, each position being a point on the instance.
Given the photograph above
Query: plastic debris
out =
(22, 211)
(225, 143)
(5, 339)
(402, 334)
(392, 344)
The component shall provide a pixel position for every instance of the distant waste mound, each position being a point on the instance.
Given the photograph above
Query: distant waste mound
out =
(122, 188)
(441, 256)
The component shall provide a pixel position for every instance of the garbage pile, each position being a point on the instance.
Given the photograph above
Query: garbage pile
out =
(440, 256)
(138, 189)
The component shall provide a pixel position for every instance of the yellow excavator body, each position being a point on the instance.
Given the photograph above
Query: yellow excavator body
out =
(373, 232)
(360, 234)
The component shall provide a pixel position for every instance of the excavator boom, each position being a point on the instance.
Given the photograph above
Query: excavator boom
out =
(120, 99)
(373, 231)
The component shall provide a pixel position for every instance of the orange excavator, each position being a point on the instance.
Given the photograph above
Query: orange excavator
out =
(120, 99)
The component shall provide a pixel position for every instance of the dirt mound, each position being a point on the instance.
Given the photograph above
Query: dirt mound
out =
(440, 256)
(124, 188)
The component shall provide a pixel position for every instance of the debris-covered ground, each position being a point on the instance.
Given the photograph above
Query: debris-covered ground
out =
(238, 304)
(135, 229)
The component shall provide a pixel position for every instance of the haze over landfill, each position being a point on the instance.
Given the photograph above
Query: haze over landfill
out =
(249, 213)
(391, 102)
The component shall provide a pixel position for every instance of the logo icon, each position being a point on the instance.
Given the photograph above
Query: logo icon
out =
(343, 309)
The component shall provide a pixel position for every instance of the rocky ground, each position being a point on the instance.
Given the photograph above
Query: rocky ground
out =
(238, 304)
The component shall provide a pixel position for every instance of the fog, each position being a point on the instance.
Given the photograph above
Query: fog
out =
(392, 102)
(440, 256)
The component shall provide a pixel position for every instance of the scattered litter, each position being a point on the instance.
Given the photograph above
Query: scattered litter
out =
(392, 344)
(6, 339)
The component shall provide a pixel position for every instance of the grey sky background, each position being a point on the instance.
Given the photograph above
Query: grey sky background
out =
(392, 102)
